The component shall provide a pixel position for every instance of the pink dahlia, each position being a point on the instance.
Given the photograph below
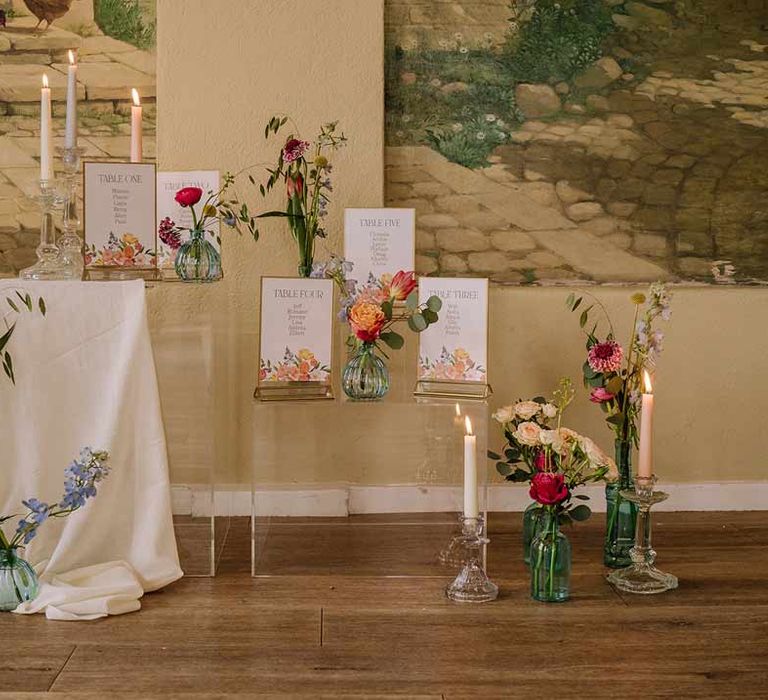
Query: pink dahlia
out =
(605, 357)
(294, 149)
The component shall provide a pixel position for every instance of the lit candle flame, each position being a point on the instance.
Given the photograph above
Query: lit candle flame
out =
(468, 424)
(71, 55)
(45, 80)
(458, 410)
(647, 382)
(135, 97)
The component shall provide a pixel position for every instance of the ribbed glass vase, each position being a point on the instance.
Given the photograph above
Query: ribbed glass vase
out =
(551, 563)
(18, 580)
(365, 377)
(534, 518)
(197, 259)
(621, 515)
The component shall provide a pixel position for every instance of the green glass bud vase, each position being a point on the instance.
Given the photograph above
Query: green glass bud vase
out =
(621, 514)
(197, 259)
(365, 377)
(18, 580)
(550, 563)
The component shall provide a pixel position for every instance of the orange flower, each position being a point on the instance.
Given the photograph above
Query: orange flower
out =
(367, 320)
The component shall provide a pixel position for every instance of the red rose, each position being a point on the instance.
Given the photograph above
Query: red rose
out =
(294, 186)
(403, 283)
(548, 489)
(187, 196)
(540, 460)
(600, 395)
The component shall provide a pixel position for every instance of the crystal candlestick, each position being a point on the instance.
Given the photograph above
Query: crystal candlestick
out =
(472, 585)
(48, 265)
(642, 576)
(70, 244)
(454, 554)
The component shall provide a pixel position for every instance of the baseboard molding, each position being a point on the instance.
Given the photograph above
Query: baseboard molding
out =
(340, 501)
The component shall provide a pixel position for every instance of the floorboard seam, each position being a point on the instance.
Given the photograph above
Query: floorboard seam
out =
(63, 666)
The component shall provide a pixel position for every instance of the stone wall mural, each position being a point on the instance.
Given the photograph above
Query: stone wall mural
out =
(594, 140)
(114, 40)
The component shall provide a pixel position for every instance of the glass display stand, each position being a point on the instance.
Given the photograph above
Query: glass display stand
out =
(194, 388)
(359, 488)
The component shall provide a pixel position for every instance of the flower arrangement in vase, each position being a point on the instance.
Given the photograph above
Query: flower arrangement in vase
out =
(18, 581)
(372, 315)
(536, 442)
(305, 170)
(197, 259)
(613, 376)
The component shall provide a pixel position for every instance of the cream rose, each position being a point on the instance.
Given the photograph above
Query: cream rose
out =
(504, 414)
(549, 410)
(528, 434)
(527, 409)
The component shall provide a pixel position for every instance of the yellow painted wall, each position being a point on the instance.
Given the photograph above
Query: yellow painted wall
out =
(221, 74)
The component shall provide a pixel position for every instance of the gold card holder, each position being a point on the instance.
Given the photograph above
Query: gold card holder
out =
(293, 391)
(448, 389)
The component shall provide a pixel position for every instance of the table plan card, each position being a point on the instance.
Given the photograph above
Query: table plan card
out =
(380, 243)
(168, 184)
(296, 330)
(456, 348)
(119, 201)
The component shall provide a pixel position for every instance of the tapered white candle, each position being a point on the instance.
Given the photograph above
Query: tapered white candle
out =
(471, 509)
(70, 127)
(136, 145)
(46, 162)
(457, 418)
(645, 458)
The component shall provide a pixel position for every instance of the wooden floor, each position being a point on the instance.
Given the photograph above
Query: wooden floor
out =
(330, 623)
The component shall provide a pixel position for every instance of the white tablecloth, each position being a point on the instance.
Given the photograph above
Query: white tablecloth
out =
(85, 376)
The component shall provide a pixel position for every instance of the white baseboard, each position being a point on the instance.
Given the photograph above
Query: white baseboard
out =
(340, 501)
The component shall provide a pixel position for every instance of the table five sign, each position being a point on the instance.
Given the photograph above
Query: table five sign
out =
(119, 215)
(296, 330)
(456, 349)
(379, 242)
(168, 184)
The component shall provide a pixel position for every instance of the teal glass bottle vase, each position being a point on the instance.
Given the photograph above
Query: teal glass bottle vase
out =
(534, 518)
(550, 562)
(365, 376)
(621, 514)
(197, 259)
(18, 580)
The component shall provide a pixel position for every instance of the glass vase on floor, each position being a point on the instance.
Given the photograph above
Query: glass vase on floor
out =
(551, 563)
(365, 377)
(621, 514)
(534, 518)
(18, 580)
(197, 260)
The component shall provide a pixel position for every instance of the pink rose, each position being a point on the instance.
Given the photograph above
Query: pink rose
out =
(548, 489)
(600, 395)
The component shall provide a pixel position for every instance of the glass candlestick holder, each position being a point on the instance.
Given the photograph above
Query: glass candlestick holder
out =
(70, 244)
(454, 554)
(641, 576)
(472, 585)
(49, 265)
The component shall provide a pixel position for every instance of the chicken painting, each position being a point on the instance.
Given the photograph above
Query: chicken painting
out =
(47, 10)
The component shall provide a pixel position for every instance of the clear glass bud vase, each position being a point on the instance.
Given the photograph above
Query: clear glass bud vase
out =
(197, 260)
(18, 580)
(621, 514)
(365, 377)
(550, 563)
(534, 518)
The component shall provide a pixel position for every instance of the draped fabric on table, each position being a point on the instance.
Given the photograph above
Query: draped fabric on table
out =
(85, 376)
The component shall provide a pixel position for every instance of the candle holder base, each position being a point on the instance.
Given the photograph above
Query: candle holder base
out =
(472, 584)
(642, 577)
(49, 265)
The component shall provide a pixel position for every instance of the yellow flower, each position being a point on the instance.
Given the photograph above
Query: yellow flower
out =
(305, 355)
(638, 298)
(461, 354)
(321, 161)
(130, 239)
